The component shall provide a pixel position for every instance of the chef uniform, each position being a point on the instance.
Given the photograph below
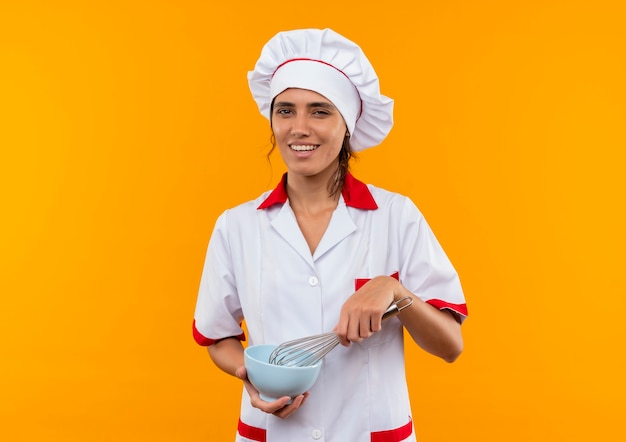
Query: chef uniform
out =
(259, 267)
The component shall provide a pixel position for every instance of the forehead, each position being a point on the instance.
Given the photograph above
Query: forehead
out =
(296, 95)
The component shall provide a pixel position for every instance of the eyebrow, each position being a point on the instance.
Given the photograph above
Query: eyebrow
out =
(309, 105)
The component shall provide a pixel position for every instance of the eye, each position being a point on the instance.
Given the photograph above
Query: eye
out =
(321, 112)
(283, 111)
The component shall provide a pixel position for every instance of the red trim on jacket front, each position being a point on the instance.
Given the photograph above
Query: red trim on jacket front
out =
(395, 435)
(205, 342)
(355, 194)
(252, 433)
(360, 282)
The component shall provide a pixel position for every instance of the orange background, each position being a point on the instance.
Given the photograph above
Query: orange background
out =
(126, 127)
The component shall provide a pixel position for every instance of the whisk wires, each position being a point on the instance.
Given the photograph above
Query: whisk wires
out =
(304, 351)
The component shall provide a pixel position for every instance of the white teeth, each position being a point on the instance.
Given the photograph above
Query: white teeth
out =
(303, 148)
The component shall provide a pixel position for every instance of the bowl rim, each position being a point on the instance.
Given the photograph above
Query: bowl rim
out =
(290, 367)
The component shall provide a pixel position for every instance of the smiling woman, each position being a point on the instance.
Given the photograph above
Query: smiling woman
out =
(324, 251)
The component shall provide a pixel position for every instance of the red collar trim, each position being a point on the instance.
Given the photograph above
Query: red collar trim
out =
(355, 194)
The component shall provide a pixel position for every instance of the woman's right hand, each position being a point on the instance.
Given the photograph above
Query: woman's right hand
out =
(280, 407)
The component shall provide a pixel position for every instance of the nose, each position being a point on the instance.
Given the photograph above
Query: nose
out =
(299, 126)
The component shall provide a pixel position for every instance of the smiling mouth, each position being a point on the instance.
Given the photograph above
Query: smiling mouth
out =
(303, 147)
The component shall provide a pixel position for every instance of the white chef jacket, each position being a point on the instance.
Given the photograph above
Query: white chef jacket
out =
(259, 268)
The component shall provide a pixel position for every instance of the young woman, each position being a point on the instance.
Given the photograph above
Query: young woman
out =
(324, 251)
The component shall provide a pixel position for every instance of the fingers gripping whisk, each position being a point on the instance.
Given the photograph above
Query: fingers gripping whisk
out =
(308, 351)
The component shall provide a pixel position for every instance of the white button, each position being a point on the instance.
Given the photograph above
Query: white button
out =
(313, 281)
(316, 434)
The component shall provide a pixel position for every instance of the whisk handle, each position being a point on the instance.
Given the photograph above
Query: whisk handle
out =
(397, 306)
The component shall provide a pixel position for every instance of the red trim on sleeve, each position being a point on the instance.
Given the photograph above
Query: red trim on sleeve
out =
(355, 194)
(441, 305)
(395, 435)
(206, 342)
(252, 433)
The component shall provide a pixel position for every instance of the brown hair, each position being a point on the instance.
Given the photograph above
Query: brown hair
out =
(336, 184)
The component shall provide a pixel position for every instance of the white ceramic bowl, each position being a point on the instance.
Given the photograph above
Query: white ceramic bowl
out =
(276, 381)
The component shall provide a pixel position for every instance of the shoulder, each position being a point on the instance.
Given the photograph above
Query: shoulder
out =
(394, 202)
(244, 212)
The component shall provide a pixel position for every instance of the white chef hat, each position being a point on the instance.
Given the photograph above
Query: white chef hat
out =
(331, 65)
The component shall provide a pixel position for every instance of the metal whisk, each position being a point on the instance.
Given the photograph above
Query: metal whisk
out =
(308, 351)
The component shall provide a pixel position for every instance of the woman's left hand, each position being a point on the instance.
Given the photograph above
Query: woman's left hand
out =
(281, 407)
(362, 313)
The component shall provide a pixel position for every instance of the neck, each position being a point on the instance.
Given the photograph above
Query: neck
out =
(310, 194)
